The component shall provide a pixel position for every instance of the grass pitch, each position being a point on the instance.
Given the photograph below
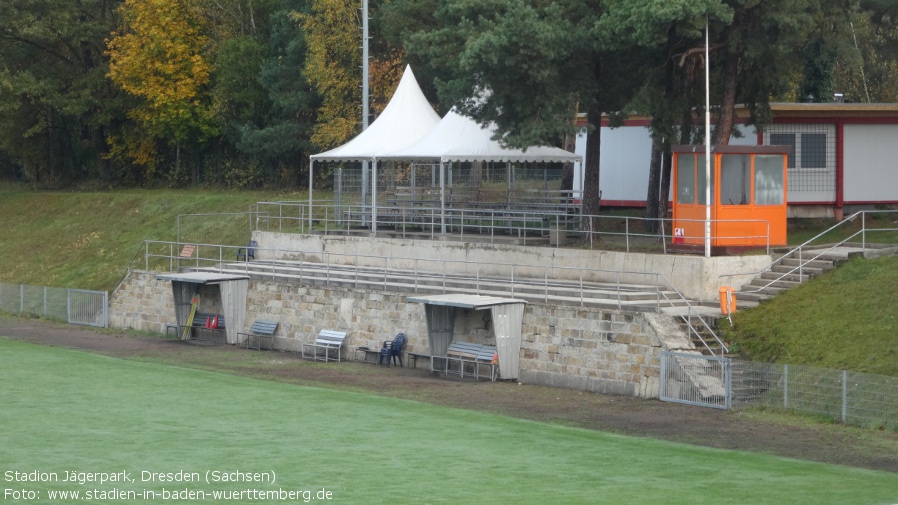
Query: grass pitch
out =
(67, 411)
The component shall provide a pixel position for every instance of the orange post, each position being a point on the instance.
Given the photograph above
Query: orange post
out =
(727, 300)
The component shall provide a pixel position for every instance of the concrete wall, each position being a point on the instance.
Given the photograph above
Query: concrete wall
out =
(695, 276)
(580, 348)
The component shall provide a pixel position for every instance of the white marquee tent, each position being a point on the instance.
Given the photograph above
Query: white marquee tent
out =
(409, 130)
(406, 119)
(460, 138)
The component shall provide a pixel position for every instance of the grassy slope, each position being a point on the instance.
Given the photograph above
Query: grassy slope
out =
(86, 239)
(845, 319)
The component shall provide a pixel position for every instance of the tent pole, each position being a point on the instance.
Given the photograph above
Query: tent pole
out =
(442, 201)
(374, 196)
(311, 171)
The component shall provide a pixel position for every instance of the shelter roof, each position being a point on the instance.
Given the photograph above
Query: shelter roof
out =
(200, 277)
(463, 301)
(406, 119)
(460, 138)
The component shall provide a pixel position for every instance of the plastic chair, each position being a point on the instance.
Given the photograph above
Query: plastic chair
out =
(249, 252)
(391, 351)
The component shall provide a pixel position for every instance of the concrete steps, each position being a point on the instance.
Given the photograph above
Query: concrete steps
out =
(702, 334)
(791, 271)
(550, 291)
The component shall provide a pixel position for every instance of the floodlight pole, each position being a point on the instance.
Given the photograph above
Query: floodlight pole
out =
(364, 64)
(707, 144)
(365, 80)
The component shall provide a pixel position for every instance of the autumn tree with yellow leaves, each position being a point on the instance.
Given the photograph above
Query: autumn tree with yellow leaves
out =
(158, 57)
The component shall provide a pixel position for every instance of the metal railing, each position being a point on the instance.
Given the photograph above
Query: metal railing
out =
(536, 226)
(75, 306)
(693, 379)
(543, 283)
(849, 397)
(804, 257)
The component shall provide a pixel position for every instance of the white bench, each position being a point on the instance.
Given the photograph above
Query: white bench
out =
(326, 341)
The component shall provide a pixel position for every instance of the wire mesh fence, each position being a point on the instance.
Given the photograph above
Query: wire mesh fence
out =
(232, 229)
(849, 397)
(76, 306)
(352, 181)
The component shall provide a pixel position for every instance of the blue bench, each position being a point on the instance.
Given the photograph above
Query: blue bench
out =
(260, 329)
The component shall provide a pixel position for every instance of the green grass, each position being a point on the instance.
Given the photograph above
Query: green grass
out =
(66, 410)
(844, 319)
(86, 240)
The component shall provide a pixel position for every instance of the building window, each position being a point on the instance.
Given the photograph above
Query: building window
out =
(735, 179)
(812, 164)
(769, 179)
(813, 150)
(785, 139)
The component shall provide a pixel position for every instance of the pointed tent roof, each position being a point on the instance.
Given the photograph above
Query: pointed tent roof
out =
(404, 120)
(460, 138)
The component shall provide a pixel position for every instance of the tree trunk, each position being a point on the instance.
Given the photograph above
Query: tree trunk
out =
(664, 193)
(476, 181)
(567, 170)
(653, 196)
(724, 129)
(99, 140)
(592, 196)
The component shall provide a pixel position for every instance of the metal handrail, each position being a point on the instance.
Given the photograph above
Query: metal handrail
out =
(516, 279)
(800, 248)
(341, 219)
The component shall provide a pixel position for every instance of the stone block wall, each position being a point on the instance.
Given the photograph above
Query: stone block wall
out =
(588, 349)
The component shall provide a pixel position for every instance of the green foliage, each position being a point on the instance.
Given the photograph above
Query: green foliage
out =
(332, 67)
(282, 135)
(54, 99)
(231, 80)
(239, 96)
(499, 55)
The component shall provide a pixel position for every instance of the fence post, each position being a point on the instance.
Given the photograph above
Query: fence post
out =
(844, 395)
(663, 382)
(785, 386)
(45, 301)
(21, 298)
(728, 381)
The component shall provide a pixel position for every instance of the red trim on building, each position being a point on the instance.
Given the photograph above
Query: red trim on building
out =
(625, 203)
(840, 164)
(836, 120)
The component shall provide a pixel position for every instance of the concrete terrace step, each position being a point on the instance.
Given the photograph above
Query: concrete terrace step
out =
(594, 294)
(788, 277)
(801, 266)
(762, 284)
